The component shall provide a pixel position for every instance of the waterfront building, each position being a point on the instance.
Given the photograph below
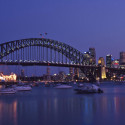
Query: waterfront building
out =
(101, 63)
(122, 59)
(55, 77)
(8, 78)
(109, 60)
(115, 63)
(93, 55)
(90, 56)
(62, 76)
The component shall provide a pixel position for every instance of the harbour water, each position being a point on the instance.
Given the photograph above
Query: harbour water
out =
(49, 106)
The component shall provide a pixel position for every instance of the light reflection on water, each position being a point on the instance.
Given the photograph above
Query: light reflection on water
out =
(49, 106)
(8, 113)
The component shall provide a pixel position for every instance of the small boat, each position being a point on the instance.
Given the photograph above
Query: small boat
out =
(80, 85)
(23, 88)
(63, 87)
(90, 88)
(7, 91)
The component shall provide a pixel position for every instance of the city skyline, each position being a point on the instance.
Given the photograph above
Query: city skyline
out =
(81, 24)
(62, 62)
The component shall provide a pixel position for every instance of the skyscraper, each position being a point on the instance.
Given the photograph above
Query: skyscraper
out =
(108, 60)
(101, 61)
(93, 55)
(122, 59)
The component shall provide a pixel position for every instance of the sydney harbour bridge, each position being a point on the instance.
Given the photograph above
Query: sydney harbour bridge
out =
(44, 52)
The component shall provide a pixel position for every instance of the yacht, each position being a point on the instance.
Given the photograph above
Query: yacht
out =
(89, 88)
(22, 88)
(7, 91)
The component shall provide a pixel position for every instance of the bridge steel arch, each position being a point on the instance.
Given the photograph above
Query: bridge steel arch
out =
(68, 51)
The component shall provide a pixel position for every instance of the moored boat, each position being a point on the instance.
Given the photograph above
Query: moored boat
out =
(23, 88)
(90, 88)
(7, 91)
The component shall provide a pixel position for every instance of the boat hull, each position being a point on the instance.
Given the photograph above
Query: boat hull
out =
(63, 87)
(22, 88)
(7, 91)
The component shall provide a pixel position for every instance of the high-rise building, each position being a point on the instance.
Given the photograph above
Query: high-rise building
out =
(115, 63)
(108, 60)
(122, 58)
(93, 55)
(88, 57)
(101, 61)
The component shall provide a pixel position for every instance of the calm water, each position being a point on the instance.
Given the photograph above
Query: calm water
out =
(49, 106)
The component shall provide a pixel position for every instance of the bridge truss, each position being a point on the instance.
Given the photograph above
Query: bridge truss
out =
(40, 50)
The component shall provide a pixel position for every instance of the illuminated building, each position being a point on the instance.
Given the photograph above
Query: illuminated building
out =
(93, 55)
(8, 78)
(122, 59)
(90, 56)
(108, 60)
(115, 64)
(101, 63)
(103, 72)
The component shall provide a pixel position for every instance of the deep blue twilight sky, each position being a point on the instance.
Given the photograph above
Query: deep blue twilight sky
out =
(79, 23)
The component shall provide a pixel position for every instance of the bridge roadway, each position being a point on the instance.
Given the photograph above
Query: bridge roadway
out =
(30, 63)
(59, 64)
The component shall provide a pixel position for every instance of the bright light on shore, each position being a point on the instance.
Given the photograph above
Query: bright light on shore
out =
(8, 78)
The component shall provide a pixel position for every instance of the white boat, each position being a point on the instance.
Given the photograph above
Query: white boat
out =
(89, 88)
(23, 88)
(63, 87)
(7, 91)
